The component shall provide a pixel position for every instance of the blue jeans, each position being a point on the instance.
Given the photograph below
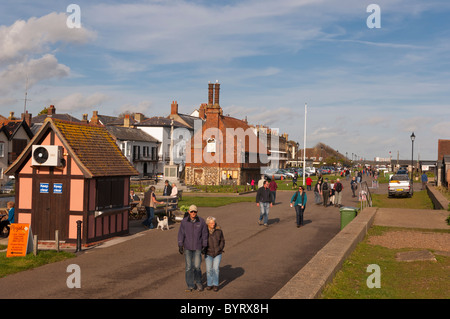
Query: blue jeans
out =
(264, 211)
(274, 196)
(193, 271)
(299, 214)
(150, 215)
(212, 270)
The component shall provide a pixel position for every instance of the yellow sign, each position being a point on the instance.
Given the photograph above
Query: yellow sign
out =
(19, 235)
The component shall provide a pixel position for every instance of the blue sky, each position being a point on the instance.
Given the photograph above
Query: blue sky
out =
(366, 89)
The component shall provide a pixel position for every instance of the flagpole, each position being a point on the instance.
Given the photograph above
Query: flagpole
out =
(304, 150)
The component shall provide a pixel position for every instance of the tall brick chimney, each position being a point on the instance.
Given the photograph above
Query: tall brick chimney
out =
(139, 117)
(216, 94)
(94, 118)
(51, 110)
(126, 120)
(174, 108)
(27, 118)
(210, 93)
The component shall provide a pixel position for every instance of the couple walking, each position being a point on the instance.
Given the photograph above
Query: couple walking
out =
(196, 237)
(264, 200)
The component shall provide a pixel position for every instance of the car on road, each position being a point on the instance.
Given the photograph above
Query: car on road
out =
(400, 185)
(7, 188)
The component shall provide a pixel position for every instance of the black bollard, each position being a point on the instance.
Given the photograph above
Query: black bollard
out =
(78, 236)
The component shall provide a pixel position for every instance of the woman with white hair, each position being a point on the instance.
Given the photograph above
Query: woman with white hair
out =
(216, 243)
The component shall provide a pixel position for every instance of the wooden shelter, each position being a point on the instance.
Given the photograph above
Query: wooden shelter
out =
(73, 172)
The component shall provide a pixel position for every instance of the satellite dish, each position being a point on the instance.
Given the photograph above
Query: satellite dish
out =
(40, 155)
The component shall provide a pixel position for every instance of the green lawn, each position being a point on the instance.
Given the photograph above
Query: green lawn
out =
(399, 280)
(13, 265)
(419, 200)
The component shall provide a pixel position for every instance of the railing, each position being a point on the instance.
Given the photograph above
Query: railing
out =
(365, 197)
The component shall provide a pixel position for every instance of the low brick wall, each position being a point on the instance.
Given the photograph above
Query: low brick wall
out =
(439, 200)
(309, 282)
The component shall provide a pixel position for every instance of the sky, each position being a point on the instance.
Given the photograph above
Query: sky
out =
(369, 78)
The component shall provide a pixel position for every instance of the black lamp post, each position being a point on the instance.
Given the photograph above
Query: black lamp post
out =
(413, 137)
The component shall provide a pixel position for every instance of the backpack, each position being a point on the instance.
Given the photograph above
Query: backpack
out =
(325, 186)
(338, 187)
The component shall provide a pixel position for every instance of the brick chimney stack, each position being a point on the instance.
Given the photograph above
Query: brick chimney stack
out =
(27, 118)
(51, 110)
(210, 93)
(94, 118)
(126, 120)
(139, 117)
(11, 116)
(174, 108)
(85, 119)
(202, 110)
(216, 94)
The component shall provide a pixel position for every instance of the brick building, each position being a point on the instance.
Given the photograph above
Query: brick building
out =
(224, 149)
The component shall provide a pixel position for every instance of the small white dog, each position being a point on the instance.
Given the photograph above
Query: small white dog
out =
(164, 223)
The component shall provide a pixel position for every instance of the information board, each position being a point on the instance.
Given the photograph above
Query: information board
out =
(19, 238)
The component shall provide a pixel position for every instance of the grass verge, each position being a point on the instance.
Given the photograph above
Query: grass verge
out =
(420, 200)
(399, 280)
(13, 265)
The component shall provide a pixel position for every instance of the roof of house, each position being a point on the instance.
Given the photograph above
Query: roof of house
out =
(130, 134)
(10, 127)
(65, 117)
(92, 148)
(161, 121)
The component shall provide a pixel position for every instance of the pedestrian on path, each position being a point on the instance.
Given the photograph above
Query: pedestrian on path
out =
(294, 180)
(192, 242)
(325, 192)
(298, 200)
(354, 186)
(424, 179)
(264, 202)
(308, 183)
(318, 192)
(150, 204)
(216, 244)
(338, 188)
(273, 189)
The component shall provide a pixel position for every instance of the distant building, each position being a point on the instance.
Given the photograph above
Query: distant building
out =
(225, 148)
(14, 137)
(140, 148)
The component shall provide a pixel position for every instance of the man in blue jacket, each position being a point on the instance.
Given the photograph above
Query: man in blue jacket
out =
(299, 199)
(193, 241)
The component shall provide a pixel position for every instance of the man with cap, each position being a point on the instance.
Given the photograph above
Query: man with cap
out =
(192, 242)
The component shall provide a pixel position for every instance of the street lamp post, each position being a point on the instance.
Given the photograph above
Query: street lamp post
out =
(413, 137)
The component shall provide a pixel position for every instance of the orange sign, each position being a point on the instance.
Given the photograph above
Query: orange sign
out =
(19, 235)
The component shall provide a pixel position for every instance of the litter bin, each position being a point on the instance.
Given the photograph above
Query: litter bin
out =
(347, 215)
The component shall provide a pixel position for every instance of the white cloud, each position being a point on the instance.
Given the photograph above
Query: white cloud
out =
(35, 36)
(77, 102)
(14, 75)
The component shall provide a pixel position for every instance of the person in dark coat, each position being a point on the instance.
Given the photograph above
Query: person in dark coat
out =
(192, 242)
(264, 202)
(216, 243)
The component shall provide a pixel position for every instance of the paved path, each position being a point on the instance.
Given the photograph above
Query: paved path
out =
(257, 262)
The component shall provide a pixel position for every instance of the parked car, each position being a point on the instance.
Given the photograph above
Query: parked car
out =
(8, 187)
(400, 185)
(276, 175)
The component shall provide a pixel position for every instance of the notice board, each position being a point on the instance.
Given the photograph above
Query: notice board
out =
(19, 240)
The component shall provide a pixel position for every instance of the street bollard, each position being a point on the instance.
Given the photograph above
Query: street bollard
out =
(78, 236)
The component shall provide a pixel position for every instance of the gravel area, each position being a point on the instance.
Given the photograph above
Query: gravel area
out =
(413, 239)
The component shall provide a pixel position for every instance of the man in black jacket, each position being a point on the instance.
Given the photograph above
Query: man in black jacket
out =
(167, 189)
(264, 202)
